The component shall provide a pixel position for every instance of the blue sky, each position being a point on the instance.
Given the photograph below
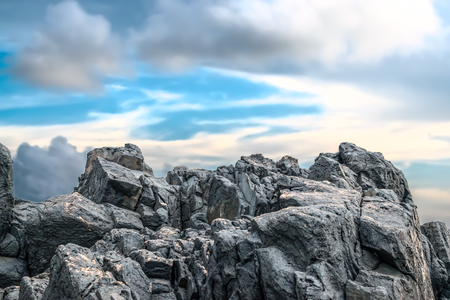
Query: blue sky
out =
(201, 83)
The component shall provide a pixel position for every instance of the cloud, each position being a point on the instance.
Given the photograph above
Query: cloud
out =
(72, 50)
(184, 124)
(264, 35)
(40, 173)
(161, 96)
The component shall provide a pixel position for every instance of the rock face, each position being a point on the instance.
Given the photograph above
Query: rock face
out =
(347, 228)
(6, 190)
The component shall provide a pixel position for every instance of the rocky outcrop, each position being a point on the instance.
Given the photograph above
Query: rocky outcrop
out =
(347, 228)
(6, 190)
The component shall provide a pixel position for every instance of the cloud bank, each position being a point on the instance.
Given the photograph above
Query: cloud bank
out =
(71, 50)
(254, 34)
(41, 173)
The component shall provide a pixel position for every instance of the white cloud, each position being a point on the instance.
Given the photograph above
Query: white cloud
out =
(161, 96)
(116, 87)
(257, 34)
(72, 50)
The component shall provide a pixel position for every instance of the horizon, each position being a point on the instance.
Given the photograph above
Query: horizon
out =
(203, 84)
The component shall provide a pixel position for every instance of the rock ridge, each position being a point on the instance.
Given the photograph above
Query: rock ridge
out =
(346, 228)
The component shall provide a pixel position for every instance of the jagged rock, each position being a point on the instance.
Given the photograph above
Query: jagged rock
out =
(129, 272)
(324, 232)
(393, 232)
(41, 227)
(436, 267)
(11, 271)
(288, 165)
(76, 274)
(122, 241)
(167, 197)
(226, 200)
(385, 283)
(11, 293)
(320, 281)
(153, 219)
(109, 182)
(124, 218)
(33, 288)
(6, 190)
(153, 265)
(374, 171)
(256, 230)
(9, 246)
(438, 235)
(325, 168)
(309, 193)
(129, 157)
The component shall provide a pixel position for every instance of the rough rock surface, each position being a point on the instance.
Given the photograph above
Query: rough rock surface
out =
(6, 190)
(347, 228)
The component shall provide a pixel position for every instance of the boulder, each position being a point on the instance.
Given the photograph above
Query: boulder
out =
(436, 268)
(225, 200)
(288, 165)
(373, 171)
(109, 182)
(393, 232)
(6, 190)
(325, 168)
(153, 265)
(129, 272)
(33, 288)
(129, 157)
(41, 227)
(11, 271)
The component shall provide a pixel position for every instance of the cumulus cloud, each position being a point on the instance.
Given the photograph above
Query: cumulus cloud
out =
(40, 173)
(71, 50)
(257, 34)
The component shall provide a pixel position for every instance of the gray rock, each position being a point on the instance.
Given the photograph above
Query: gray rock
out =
(374, 171)
(129, 157)
(11, 271)
(153, 265)
(288, 165)
(11, 293)
(385, 283)
(165, 296)
(123, 241)
(392, 231)
(277, 274)
(311, 193)
(437, 234)
(436, 267)
(124, 218)
(147, 196)
(9, 246)
(167, 197)
(226, 200)
(75, 273)
(33, 288)
(41, 227)
(320, 281)
(6, 190)
(296, 231)
(109, 182)
(153, 219)
(129, 272)
(325, 168)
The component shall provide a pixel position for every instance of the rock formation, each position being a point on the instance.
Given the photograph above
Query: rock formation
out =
(346, 228)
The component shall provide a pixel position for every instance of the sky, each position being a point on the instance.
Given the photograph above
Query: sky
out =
(201, 83)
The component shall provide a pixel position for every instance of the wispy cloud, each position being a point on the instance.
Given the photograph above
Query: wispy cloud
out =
(161, 96)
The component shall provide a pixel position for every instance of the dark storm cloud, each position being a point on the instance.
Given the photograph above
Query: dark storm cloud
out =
(40, 173)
